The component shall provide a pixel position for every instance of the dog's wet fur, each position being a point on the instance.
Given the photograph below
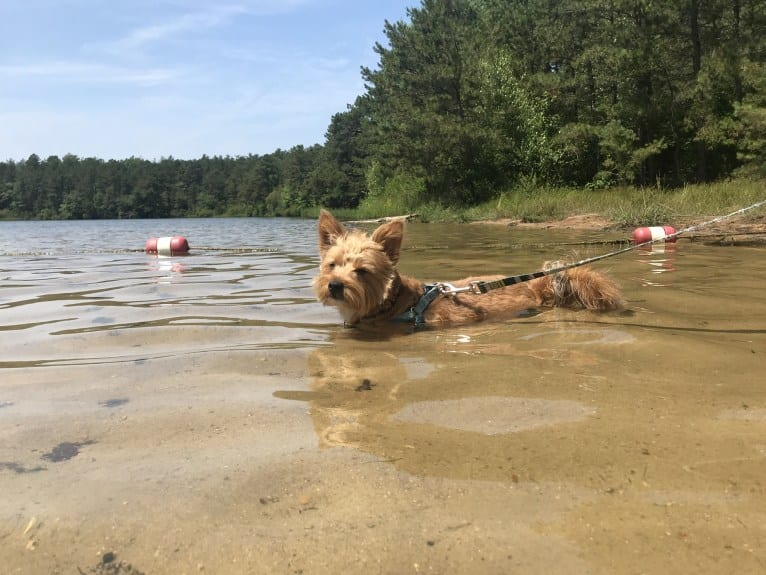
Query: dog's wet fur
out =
(358, 275)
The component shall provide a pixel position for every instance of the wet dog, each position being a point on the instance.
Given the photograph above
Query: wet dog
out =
(358, 275)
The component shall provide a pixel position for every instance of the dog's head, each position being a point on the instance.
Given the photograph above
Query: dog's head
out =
(356, 270)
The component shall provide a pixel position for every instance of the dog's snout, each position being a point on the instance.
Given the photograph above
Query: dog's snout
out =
(336, 289)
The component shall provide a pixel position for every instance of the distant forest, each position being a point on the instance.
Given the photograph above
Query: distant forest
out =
(472, 98)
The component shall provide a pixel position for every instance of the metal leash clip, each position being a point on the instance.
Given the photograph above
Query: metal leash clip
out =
(449, 289)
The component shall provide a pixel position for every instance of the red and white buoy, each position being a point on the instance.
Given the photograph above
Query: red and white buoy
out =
(170, 246)
(653, 234)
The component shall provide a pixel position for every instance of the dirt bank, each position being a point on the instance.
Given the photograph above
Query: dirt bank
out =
(736, 231)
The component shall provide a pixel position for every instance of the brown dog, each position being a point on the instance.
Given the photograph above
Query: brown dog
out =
(358, 275)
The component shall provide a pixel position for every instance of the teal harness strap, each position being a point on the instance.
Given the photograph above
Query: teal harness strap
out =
(415, 313)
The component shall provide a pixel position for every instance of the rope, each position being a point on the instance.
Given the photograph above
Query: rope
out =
(486, 286)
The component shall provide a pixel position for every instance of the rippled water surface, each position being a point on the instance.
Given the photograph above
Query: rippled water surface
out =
(67, 285)
(204, 413)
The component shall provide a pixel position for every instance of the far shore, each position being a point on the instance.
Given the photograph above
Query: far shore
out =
(735, 231)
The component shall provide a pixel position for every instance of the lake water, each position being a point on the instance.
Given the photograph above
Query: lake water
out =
(67, 285)
(204, 414)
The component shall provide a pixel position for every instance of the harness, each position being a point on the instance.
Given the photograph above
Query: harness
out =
(415, 313)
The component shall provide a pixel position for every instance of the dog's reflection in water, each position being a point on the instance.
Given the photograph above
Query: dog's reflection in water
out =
(354, 388)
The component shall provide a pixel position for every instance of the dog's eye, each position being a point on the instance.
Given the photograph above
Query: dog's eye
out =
(361, 272)
(331, 265)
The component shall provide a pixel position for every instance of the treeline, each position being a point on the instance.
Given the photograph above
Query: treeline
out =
(472, 98)
(281, 183)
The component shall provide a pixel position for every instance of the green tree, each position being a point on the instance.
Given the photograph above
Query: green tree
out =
(425, 99)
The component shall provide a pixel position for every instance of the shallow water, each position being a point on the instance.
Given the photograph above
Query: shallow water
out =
(205, 413)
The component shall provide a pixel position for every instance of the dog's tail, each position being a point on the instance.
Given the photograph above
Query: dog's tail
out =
(581, 287)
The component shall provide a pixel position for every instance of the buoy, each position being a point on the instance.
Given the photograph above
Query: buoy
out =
(654, 233)
(172, 246)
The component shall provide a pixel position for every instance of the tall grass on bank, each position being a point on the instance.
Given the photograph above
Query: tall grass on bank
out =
(626, 207)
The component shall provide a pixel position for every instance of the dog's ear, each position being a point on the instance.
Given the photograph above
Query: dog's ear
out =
(390, 236)
(330, 230)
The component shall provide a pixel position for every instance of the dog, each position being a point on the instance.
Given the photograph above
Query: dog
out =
(358, 275)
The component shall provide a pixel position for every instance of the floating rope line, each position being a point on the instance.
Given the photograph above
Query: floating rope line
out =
(482, 286)
(237, 250)
(119, 251)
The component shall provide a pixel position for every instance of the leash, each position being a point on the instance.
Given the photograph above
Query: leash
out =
(481, 286)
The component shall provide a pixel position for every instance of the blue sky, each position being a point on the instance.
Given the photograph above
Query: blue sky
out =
(182, 78)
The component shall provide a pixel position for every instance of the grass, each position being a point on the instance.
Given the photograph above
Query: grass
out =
(627, 207)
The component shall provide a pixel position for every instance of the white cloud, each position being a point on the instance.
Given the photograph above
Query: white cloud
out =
(87, 72)
(213, 17)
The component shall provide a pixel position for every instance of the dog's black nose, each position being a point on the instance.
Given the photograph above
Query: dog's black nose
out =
(336, 289)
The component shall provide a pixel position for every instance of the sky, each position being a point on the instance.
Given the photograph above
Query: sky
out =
(114, 79)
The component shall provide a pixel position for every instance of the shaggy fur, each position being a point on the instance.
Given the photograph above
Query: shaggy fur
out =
(358, 276)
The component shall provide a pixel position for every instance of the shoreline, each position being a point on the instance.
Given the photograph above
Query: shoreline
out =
(734, 231)
(751, 231)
